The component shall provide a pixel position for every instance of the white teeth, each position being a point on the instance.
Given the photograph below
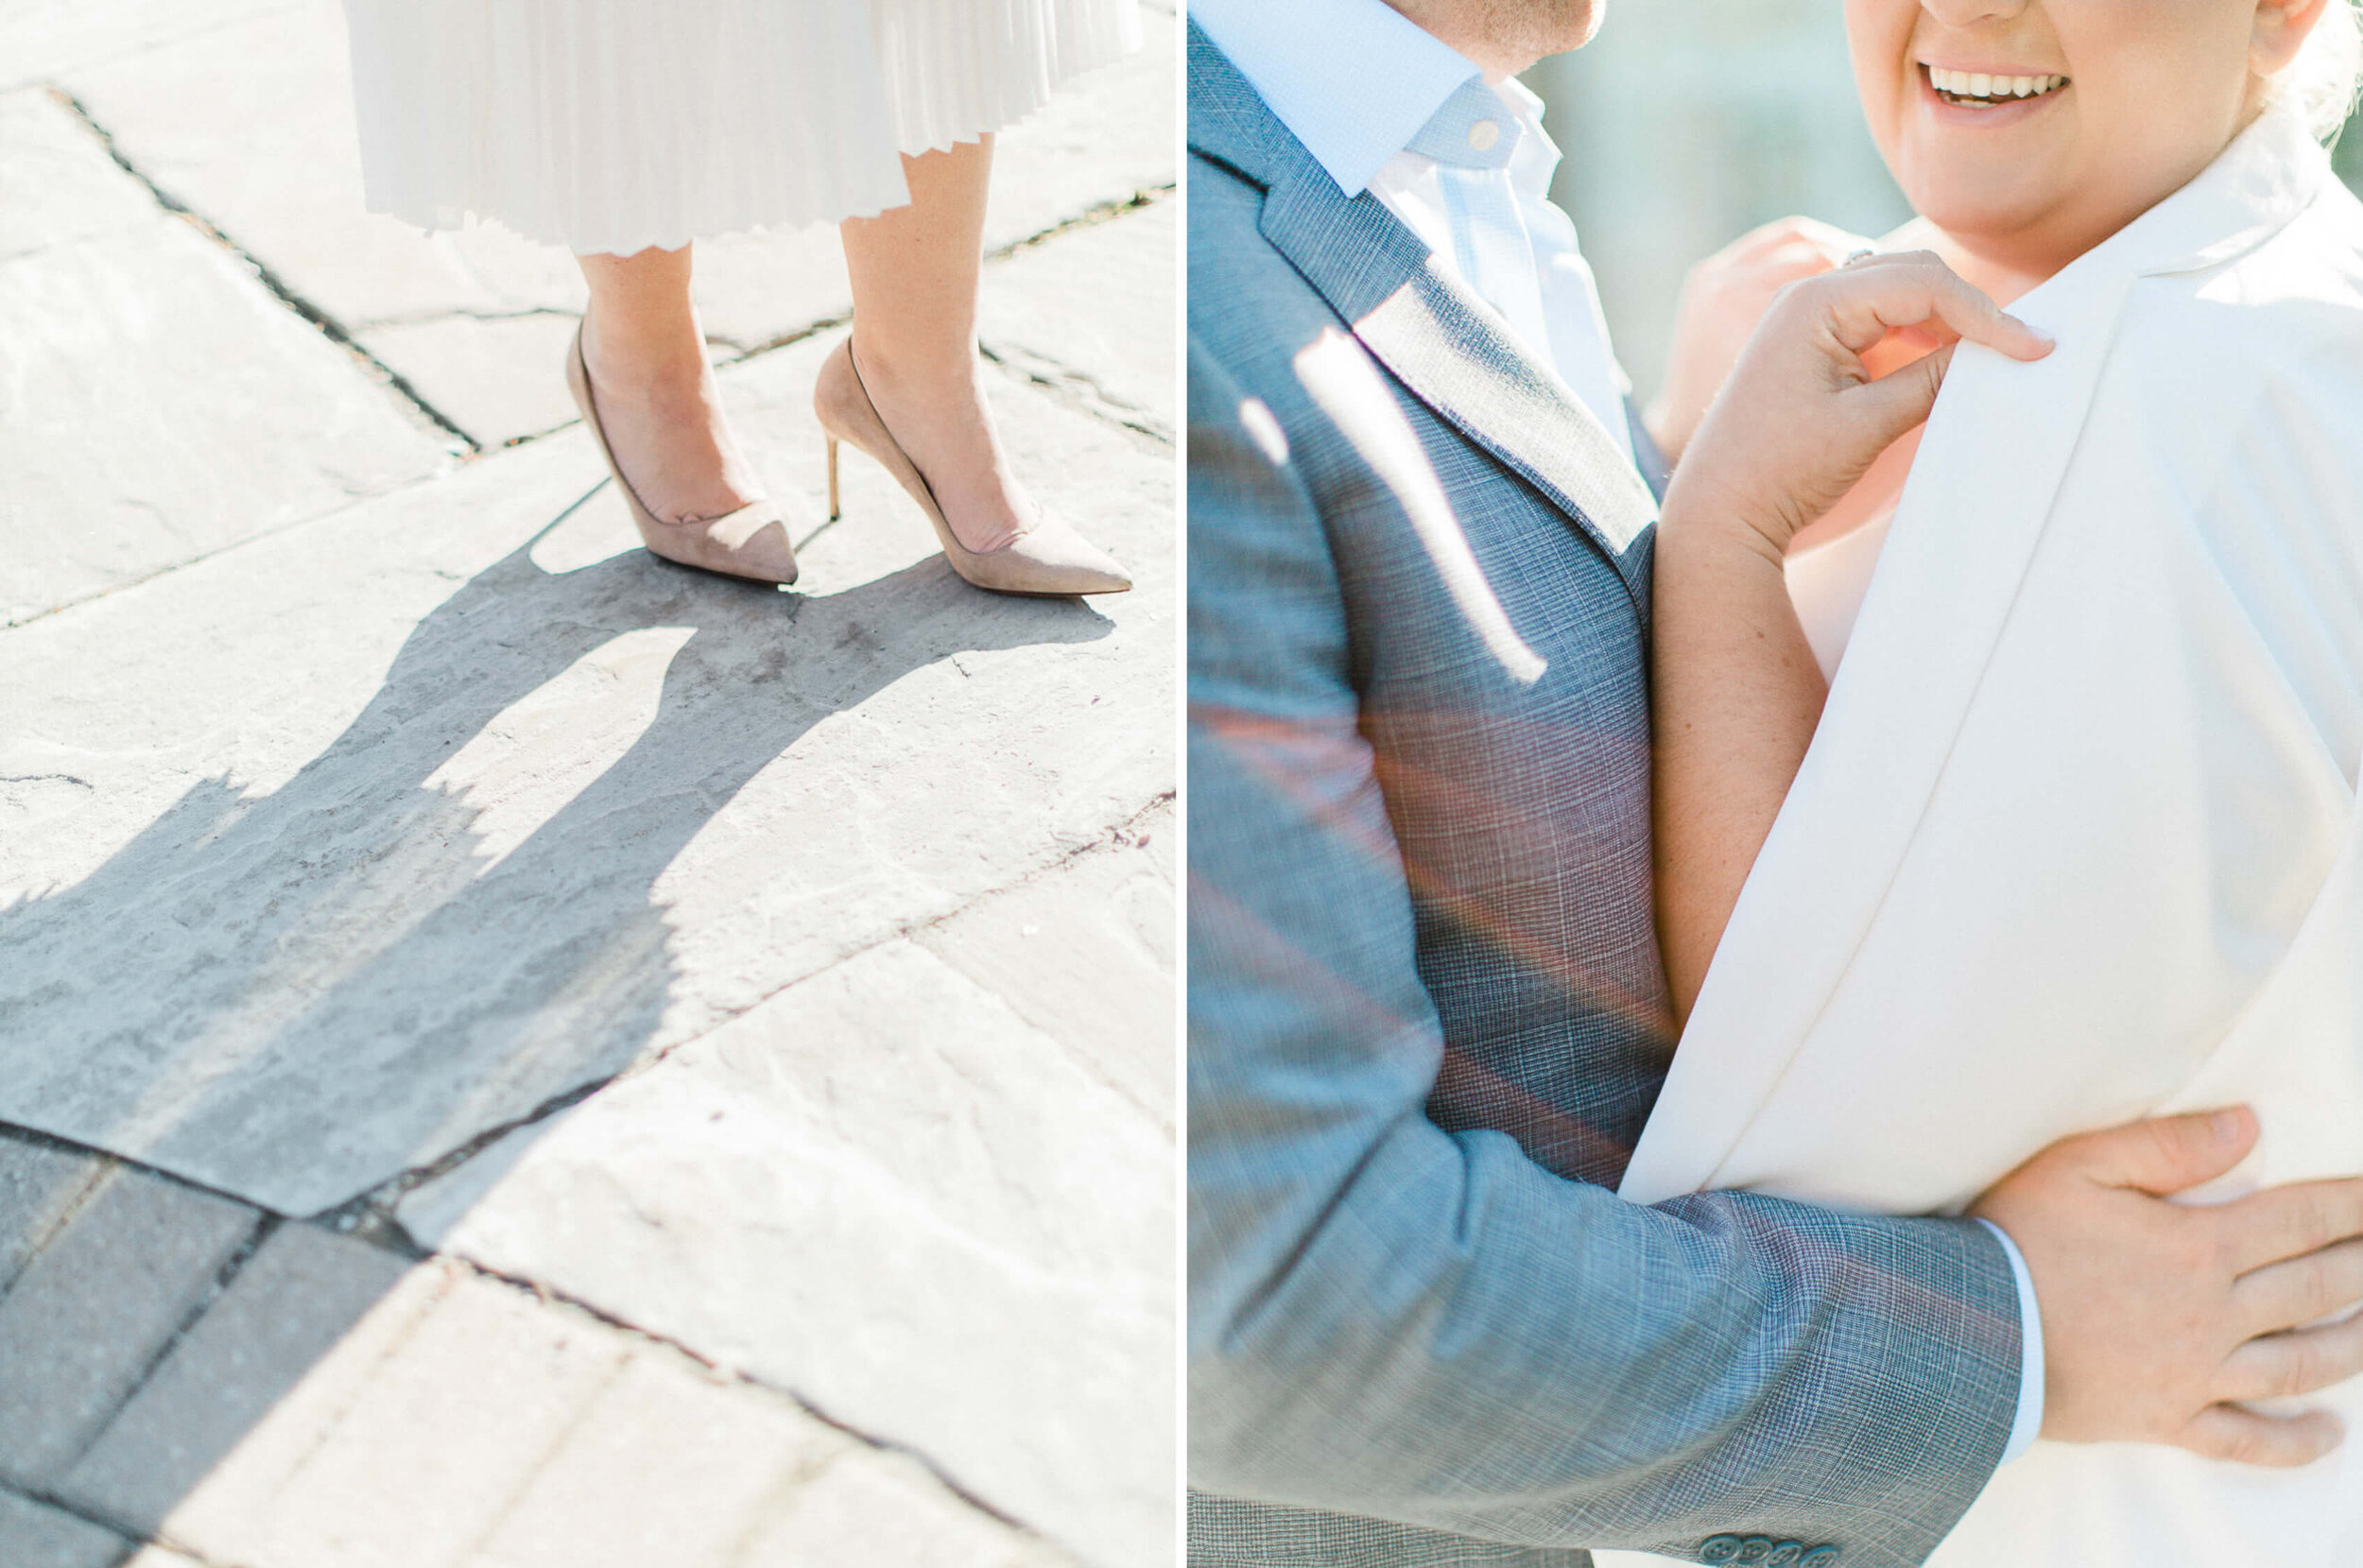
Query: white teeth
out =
(1980, 84)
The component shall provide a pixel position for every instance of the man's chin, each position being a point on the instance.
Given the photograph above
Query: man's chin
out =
(1555, 27)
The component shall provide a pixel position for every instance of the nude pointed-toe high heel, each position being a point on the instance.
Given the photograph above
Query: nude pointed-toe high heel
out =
(751, 542)
(1049, 558)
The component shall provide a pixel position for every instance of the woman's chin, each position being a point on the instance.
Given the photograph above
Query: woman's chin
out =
(2009, 226)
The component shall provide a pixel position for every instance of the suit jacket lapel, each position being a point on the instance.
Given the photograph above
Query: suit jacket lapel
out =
(1980, 493)
(1442, 343)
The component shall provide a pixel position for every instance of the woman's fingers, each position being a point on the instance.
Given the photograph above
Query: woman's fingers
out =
(2243, 1436)
(2291, 1365)
(2291, 1221)
(2284, 1294)
(1902, 399)
(1882, 294)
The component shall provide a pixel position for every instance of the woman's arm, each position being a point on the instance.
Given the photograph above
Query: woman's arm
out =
(1736, 692)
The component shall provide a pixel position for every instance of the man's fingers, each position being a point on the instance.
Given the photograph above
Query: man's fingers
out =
(2244, 1437)
(2288, 1222)
(1867, 301)
(2303, 1361)
(2164, 1154)
(2283, 1295)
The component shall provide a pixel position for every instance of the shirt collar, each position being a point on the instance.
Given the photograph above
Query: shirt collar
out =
(1355, 80)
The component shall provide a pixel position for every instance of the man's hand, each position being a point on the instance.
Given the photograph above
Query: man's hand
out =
(1722, 299)
(2158, 1317)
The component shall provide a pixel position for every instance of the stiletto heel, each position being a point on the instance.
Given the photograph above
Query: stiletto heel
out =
(1049, 558)
(833, 509)
(751, 542)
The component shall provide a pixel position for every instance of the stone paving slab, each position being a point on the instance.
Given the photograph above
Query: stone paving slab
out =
(341, 1409)
(444, 310)
(499, 379)
(40, 1187)
(426, 1459)
(386, 834)
(34, 1535)
(43, 40)
(1085, 955)
(1070, 312)
(303, 1292)
(160, 403)
(139, 1256)
(834, 1523)
(888, 1191)
(669, 1465)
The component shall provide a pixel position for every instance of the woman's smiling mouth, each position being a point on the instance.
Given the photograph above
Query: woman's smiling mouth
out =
(1987, 90)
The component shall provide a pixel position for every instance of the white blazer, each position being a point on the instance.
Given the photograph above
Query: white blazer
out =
(2076, 839)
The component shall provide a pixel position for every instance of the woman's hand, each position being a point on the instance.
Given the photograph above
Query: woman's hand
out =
(1806, 410)
(1722, 301)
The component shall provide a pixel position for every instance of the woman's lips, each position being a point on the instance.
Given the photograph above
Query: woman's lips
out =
(1988, 97)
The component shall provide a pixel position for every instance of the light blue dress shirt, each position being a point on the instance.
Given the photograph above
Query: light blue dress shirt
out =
(1387, 107)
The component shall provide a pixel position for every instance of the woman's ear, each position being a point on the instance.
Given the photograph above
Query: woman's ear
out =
(2281, 30)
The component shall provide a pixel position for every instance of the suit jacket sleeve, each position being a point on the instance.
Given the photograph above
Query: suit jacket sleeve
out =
(1388, 1321)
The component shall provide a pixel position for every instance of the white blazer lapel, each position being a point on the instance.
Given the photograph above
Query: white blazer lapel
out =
(1979, 494)
(1979, 498)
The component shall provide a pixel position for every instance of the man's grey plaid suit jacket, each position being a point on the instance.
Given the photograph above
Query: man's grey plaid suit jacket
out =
(1427, 1015)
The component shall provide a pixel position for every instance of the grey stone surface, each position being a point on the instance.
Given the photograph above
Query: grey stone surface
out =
(668, 1466)
(1070, 312)
(1085, 954)
(44, 39)
(39, 1189)
(834, 1522)
(498, 378)
(390, 833)
(159, 402)
(301, 1293)
(88, 1316)
(406, 1445)
(888, 1191)
(34, 1535)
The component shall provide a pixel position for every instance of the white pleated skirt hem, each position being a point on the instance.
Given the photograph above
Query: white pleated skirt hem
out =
(611, 126)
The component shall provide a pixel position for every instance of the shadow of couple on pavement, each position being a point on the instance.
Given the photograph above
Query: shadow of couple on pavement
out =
(298, 995)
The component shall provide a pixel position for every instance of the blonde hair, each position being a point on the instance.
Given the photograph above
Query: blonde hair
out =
(2321, 82)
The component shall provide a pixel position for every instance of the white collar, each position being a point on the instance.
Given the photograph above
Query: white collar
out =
(1353, 80)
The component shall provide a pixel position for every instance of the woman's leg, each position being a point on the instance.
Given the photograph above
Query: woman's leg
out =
(915, 270)
(656, 396)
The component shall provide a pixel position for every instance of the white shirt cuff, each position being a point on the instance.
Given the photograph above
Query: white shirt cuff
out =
(2029, 1419)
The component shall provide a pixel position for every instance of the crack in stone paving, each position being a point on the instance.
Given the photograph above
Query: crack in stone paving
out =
(266, 1224)
(134, 1540)
(559, 1299)
(265, 535)
(414, 400)
(461, 313)
(1078, 390)
(371, 1216)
